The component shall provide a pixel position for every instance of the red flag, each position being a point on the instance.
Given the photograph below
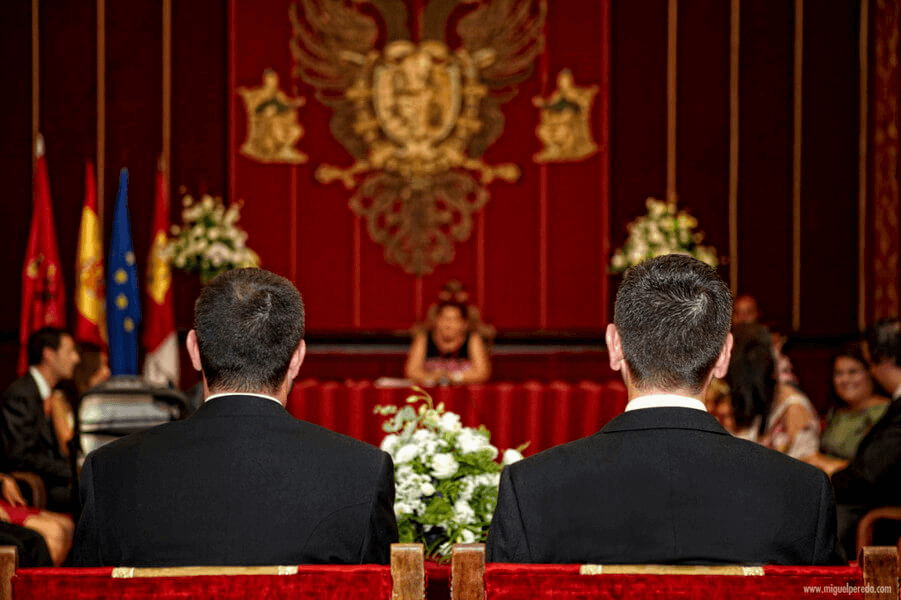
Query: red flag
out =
(90, 296)
(160, 339)
(43, 294)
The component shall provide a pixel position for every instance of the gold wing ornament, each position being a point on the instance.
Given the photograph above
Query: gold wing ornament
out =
(416, 116)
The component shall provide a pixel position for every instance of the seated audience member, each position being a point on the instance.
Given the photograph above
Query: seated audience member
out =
(28, 437)
(56, 529)
(860, 407)
(451, 346)
(745, 310)
(240, 482)
(873, 477)
(664, 482)
(767, 411)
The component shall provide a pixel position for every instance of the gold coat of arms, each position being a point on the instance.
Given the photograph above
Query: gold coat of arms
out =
(416, 116)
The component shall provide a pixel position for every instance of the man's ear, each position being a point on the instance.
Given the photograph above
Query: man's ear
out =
(722, 362)
(297, 360)
(193, 350)
(614, 348)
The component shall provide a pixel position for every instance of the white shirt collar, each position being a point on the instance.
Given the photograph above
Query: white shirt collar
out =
(897, 393)
(43, 386)
(274, 399)
(665, 401)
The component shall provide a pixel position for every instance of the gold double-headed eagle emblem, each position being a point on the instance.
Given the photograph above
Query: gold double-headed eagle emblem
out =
(416, 116)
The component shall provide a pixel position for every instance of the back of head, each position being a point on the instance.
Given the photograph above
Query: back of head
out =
(673, 314)
(752, 374)
(46, 337)
(248, 324)
(884, 341)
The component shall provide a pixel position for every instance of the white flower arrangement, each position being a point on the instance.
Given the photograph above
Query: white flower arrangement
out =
(446, 475)
(664, 230)
(209, 241)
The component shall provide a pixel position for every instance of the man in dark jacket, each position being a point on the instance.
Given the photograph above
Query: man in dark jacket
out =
(241, 482)
(664, 482)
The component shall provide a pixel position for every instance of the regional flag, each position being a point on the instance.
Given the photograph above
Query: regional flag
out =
(122, 300)
(90, 295)
(160, 338)
(43, 295)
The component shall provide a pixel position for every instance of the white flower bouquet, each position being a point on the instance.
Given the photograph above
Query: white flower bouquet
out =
(664, 230)
(209, 241)
(446, 475)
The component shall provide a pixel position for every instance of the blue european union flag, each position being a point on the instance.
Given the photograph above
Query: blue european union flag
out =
(123, 308)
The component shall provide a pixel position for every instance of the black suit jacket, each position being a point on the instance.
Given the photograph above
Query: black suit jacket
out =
(873, 477)
(241, 482)
(29, 442)
(663, 485)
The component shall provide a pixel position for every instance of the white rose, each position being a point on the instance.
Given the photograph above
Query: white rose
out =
(406, 454)
(463, 512)
(389, 443)
(467, 536)
(511, 456)
(449, 421)
(471, 441)
(427, 489)
(443, 466)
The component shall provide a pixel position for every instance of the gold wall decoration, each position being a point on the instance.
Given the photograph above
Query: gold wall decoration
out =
(416, 116)
(565, 126)
(272, 123)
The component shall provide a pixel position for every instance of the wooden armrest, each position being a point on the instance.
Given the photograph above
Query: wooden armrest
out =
(880, 570)
(867, 523)
(33, 481)
(8, 564)
(408, 571)
(468, 572)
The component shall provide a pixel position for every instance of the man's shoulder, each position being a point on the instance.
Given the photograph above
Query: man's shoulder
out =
(23, 386)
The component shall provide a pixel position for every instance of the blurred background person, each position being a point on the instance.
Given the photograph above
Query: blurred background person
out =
(93, 369)
(450, 347)
(719, 404)
(857, 407)
(772, 413)
(745, 310)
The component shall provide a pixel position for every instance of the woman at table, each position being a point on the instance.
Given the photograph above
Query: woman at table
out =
(859, 407)
(450, 348)
(766, 410)
(57, 529)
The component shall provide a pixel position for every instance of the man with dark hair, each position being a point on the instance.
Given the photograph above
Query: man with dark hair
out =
(873, 477)
(240, 482)
(29, 441)
(664, 482)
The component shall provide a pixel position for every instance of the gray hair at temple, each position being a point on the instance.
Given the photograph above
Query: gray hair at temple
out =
(673, 314)
(248, 324)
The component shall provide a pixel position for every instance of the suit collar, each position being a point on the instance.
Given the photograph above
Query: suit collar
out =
(239, 405)
(664, 418)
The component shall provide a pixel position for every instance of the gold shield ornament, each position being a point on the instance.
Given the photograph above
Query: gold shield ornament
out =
(564, 126)
(272, 123)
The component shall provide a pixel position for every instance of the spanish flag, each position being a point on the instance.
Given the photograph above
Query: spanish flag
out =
(160, 336)
(43, 295)
(90, 296)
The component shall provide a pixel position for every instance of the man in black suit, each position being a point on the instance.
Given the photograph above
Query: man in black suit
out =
(873, 477)
(241, 482)
(664, 482)
(29, 441)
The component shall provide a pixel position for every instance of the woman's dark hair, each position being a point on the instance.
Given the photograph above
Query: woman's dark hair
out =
(461, 306)
(751, 375)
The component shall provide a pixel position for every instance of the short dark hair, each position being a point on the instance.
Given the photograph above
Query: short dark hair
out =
(248, 324)
(46, 337)
(673, 315)
(884, 341)
(752, 374)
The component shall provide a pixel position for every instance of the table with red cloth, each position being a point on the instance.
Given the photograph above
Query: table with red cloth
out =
(543, 414)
